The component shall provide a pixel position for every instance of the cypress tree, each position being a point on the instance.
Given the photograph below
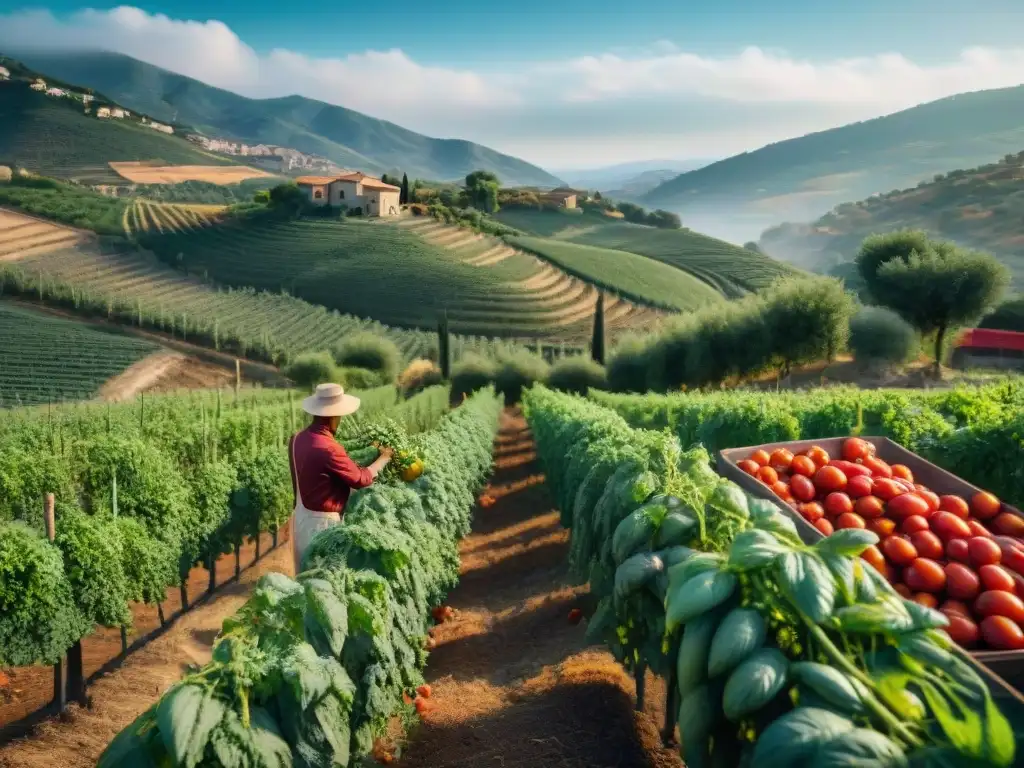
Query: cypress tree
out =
(443, 347)
(597, 341)
(403, 196)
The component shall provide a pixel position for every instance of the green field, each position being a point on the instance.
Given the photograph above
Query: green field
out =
(635, 277)
(373, 270)
(65, 203)
(729, 269)
(49, 359)
(53, 137)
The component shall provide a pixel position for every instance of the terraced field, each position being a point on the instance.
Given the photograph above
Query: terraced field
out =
(729, 269)
(47, 359)
(546, 281)
(22, 236)
(393, 275)
(54, 137)
(144, 216)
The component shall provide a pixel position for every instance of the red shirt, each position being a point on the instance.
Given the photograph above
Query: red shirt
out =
(326, 474)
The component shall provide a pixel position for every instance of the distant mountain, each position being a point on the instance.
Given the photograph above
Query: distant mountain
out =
(635, 187)
(625, 175)
(979, 208)
(802, 178)
(351, 139)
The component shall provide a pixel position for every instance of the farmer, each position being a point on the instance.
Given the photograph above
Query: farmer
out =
(323, 475)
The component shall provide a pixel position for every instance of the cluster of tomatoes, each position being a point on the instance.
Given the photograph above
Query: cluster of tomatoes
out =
(962, 557)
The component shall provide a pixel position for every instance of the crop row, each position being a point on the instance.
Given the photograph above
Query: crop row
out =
(48, 359)
(775, 653)
(974, 432)
(141, 497)
(310, 671)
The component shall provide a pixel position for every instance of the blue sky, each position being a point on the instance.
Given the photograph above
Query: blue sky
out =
(575, 83)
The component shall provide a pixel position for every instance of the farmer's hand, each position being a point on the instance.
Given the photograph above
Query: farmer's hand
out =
(386, 453)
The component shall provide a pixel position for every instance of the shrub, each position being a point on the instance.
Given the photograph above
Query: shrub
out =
(627, 368)
(516, 372)
(359, 378)
(417, 376)
(470, 374)
(1008, 316)
(312, 368)
(880, 335)
(369, 351)
(809, 319)
(577, 374)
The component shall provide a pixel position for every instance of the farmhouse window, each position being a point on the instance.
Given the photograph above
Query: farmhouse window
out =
(341, 194)
(317, 194)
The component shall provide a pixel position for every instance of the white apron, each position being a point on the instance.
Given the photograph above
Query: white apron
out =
(307, 523)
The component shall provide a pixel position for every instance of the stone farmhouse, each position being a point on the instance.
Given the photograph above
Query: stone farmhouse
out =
(352, 190)
(5, 74)
(563, 197)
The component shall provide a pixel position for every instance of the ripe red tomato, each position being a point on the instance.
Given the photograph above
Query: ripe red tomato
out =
(837, 503)
(930, 497)
(829, 479)
(802, 488)
(961, 582)
(812, 511)
(1000, 603)
(906, 505)
(913, 524)
(903, 590)
(925, 575)
(803, 465)
(927, 545)
(1013, 553)
(874, 557)
(886, 489)
(902, 472)
(926, 599)
(850, 469)
(859, 486)
(749, 466)
(899, 551)
(781, 489)
(878, 467)
(1008, 524)
(850, 520)
(955, 606)
(954, 504)
(948, 526)
(818, 455)
(985, 505)
(761, 457)
(995, 577)
(1002, 634)
(855, 448)
(957, 549)
(825, 527)
(977, 529)
(882, 526)
(780, 459)
(962, 630)
(869, 507)
(983, 551)
(767, 475)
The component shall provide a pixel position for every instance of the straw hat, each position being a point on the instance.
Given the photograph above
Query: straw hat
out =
(330, 400)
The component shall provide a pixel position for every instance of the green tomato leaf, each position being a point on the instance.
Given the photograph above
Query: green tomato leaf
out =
(807, 583)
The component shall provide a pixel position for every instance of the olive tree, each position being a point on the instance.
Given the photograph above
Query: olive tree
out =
(939, 288)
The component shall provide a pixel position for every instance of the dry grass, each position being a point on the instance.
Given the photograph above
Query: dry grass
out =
(143, 173)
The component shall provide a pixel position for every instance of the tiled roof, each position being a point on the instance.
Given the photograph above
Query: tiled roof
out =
(378, 184)
(314, 179)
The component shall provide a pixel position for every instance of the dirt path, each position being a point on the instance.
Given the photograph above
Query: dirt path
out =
(514, 683)
(164, 372)
(77, 739)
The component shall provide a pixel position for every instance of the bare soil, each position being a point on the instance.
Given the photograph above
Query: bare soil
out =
(165, 372)
(121, 689)
(513, 682)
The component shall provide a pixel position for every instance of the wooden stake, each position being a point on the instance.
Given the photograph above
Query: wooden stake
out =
(60, 680)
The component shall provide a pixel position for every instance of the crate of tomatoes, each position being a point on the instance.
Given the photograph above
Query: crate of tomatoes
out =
(942, 541)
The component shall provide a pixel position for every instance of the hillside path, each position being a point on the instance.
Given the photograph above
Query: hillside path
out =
(514, 683)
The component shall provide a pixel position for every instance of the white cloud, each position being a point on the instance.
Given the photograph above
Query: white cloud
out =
(606, 107)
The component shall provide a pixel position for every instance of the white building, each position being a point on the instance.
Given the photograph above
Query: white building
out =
(161, 127)
(5, 73)
(56, 92)
(38, 85)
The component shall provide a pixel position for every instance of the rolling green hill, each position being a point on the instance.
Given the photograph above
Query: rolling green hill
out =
(804, 177)
(729, 269)
(980, 208)
(49, 359)
(349, 138)
(54, 137)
